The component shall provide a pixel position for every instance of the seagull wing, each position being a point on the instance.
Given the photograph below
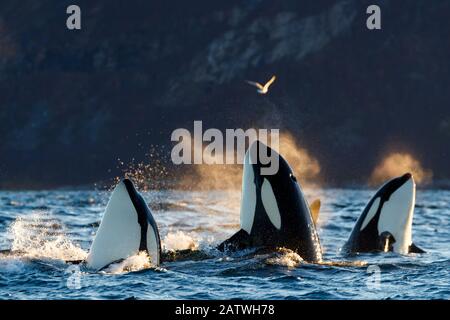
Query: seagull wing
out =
(267, 85)
(256, 84)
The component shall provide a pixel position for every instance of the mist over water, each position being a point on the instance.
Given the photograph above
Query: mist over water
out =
(396, 164)
(49, 227)
(156, 173)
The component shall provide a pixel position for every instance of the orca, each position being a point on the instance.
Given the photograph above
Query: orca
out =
(274, 211)
(386, 222)
(127, 228)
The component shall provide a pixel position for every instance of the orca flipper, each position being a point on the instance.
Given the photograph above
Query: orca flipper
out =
(415, 249)
(126, 229)
(240, 240)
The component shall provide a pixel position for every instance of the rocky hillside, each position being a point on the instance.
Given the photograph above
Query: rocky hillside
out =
(73, 102)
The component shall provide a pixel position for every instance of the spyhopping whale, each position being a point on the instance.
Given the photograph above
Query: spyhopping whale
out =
(386, 222)
(274, 211)
(127, 228)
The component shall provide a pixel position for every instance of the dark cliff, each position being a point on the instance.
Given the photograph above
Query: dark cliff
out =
(73, 102)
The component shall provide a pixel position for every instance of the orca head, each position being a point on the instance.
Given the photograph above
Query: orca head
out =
(386, 222)
(274, 211)
(127, 227)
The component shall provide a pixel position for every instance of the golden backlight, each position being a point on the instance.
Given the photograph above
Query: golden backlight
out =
(397, 164)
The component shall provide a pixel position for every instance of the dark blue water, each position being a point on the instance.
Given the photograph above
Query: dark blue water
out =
(49, 227)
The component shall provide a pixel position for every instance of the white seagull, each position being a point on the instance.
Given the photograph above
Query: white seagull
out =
(263, 89)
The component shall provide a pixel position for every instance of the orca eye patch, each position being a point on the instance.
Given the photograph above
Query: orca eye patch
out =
(270, 204)
(293, 177)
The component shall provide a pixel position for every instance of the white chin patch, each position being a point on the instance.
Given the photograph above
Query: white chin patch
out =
(270, 204)
(248, 196)
(397, 214)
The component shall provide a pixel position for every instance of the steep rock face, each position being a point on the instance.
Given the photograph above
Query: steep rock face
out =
(71, 103)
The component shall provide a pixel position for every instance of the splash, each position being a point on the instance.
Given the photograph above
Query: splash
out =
(40, 236)
(343, 263)
(288, 258)
(285, 257)
(397, 164)
(152, 174)
(140, 261)
(180, 241)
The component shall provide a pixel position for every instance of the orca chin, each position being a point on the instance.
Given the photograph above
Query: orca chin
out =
(274, 212)
(126, 229)
(386, 222)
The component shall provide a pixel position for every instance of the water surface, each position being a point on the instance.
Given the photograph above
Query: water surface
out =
(49, 227)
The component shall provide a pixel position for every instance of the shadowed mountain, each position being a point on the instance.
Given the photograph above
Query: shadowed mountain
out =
(73, 102)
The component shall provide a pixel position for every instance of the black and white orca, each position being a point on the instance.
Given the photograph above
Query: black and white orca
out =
(274, 211)
(127, 228)
(386, 222)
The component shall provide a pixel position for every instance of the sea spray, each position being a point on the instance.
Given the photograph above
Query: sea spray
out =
(41, 236)
(180, 240)
(134, 263)
(285, 257)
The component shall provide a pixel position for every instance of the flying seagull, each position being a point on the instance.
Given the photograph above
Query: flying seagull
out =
(263, 89)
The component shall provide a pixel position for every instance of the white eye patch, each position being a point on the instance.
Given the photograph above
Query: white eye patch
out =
(248, 200)
(270, 204)
(372, 211)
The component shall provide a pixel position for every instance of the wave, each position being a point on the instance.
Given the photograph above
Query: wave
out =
(285, 257)
(41, 236)
(138, 262)
(180, 240)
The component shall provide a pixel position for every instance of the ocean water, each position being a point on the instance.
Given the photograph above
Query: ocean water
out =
(48, 227)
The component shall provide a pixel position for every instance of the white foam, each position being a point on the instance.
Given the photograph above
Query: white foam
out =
(180, 241)
(134, 263)
(40, 236)
(285, 257)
